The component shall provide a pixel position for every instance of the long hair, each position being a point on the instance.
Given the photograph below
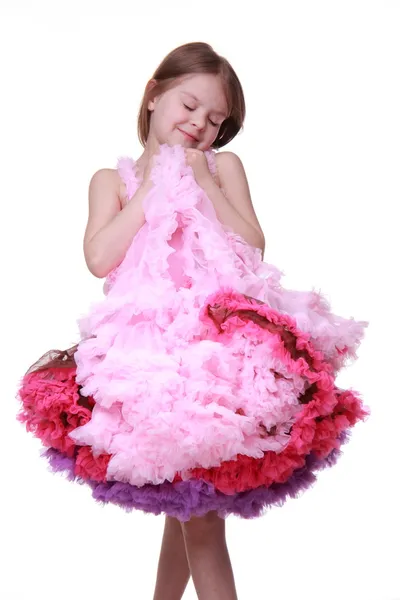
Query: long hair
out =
(196, 57)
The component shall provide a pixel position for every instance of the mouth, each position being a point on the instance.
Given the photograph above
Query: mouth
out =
(188, 136)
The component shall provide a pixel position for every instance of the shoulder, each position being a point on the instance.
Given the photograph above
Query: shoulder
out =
(234, 184)
(109, 181)
(229, 161)
(105, 177)
(230, 171)
(231, 174)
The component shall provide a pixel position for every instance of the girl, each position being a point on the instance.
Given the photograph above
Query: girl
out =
(200, 386)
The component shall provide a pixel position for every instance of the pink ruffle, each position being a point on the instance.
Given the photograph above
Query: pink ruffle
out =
(174, 394)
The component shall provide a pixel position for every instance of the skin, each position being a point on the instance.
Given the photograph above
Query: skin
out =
(196, 106)
(190, 114)
(196, 548)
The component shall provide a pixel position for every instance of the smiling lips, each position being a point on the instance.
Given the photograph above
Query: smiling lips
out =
(191, 137)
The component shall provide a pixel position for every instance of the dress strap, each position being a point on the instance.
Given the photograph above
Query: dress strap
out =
(212, 165)
(126, 168)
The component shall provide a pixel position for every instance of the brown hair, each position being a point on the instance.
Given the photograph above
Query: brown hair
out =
(196, 57)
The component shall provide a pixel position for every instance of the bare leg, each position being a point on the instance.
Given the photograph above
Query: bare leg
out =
(173, 570)
(208, 558)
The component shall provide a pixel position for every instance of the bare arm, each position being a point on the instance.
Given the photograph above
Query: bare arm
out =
(110, 229)
(234, 206)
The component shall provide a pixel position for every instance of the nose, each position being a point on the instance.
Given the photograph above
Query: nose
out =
(199, 121)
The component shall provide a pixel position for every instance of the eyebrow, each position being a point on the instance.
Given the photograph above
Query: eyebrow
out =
(217, 112)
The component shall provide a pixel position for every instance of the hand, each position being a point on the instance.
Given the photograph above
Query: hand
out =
(198, 161)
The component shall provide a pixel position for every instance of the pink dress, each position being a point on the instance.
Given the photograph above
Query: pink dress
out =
(208, 385)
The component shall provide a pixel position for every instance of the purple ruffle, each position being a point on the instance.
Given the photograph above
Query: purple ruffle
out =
(195, 497)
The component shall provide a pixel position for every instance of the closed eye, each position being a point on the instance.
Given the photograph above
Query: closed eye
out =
(192, 109)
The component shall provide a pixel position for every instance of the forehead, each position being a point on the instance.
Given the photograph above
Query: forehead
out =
(206, 89)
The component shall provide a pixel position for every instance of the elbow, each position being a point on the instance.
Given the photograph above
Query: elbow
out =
(95, 262)
(96, 268)
(98, 272)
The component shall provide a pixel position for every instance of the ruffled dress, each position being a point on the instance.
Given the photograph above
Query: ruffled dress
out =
(199, 382)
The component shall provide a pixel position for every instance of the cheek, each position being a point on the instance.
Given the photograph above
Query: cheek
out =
(208, 139)
(180, 115)
(168, 116)
(212, 134)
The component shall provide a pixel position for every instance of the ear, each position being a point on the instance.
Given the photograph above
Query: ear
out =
(150, 85)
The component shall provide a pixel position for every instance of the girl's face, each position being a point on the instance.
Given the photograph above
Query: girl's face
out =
(190, 113)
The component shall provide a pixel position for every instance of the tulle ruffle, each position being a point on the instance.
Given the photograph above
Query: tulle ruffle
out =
(160, 380)
(196, 497)
(199, 382)
(326, 411)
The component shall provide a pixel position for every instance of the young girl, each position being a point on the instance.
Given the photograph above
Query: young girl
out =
(200, 386)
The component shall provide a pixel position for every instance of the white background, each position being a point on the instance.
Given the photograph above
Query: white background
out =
(321, 149)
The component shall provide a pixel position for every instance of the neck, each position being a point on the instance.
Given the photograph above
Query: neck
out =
(152, 147)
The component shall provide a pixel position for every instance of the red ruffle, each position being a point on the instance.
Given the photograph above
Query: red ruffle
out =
(52, 406)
